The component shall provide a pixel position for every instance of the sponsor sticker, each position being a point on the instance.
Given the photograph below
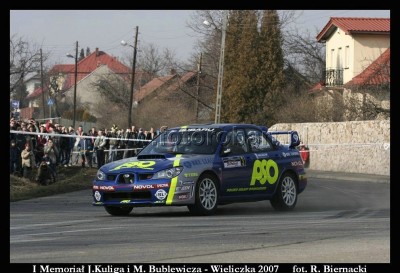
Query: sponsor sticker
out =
(263, 171)
(234, 162)
(97, 195)
(161, 194)
(143, 187)
(106, 188)
(147, 165)
(183, 196)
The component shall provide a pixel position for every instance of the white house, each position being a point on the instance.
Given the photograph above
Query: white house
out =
(352, 44)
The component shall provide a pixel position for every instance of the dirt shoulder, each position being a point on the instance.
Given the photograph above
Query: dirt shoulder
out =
(69, 179)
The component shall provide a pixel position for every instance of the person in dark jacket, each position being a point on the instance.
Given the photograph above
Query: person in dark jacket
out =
(15, 154)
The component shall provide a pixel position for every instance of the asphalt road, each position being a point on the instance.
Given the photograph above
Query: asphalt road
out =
(335, 221)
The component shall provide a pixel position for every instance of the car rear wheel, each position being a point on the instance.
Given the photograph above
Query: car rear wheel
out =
(118, 211)
(206, 199)
(285, 197)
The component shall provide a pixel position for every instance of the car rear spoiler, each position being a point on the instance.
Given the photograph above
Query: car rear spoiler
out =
(294, 137)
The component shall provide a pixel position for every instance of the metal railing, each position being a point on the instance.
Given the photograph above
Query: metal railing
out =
(333, 77)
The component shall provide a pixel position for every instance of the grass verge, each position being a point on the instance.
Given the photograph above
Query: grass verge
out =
(69, 179)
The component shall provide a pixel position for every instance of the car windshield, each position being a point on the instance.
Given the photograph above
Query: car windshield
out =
(185, 141)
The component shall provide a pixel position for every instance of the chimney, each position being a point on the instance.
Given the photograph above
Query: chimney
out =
(172, 71)
(97, 51)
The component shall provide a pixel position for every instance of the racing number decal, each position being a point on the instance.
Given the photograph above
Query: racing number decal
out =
(136, 164)
(262, 172)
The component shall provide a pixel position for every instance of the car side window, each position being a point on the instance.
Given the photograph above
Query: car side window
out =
(236, 141)
(258, 142)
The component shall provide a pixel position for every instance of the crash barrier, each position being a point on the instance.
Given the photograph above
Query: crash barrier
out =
(353, 146)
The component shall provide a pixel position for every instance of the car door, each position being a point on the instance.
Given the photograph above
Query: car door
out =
(264, 163)
(236, 163)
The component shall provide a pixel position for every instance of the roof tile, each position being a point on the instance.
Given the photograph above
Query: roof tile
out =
(351, 25)
(376, 73)
(85, 67)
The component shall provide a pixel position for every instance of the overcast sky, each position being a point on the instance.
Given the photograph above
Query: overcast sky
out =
(58, 30)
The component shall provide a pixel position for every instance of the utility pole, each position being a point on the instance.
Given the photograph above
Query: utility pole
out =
(133, 78)
(42, 84)
(76, 76)
(198, 87)
(221, 68)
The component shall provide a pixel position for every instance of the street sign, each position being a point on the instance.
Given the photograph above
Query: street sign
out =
(15, 104)
(50, 102)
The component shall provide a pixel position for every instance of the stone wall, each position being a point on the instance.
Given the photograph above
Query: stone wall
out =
(352, 146)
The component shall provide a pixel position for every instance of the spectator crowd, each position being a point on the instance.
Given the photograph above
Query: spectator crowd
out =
(34, 143)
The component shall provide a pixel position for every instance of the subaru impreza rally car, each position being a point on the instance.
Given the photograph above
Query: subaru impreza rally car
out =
(203, 166)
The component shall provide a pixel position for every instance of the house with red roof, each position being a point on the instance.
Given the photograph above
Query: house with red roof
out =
(356, 85)
(175, 95)
(352, 45)
(89, 70)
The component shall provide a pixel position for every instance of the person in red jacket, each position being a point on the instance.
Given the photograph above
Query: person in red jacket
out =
(304, 154)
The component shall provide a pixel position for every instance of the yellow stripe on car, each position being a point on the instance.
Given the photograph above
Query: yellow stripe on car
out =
(174, 181)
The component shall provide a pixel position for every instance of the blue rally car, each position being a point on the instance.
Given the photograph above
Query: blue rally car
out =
(202, 166)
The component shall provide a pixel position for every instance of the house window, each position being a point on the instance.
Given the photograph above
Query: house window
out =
(332, 64)
(339, 58)
(346, 57)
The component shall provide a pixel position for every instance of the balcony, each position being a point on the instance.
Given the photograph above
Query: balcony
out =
(333, 77)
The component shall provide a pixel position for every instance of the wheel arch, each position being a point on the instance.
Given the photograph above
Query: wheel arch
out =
(295, 176)
(210, 172)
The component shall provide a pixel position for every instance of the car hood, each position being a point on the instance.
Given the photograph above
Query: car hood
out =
(154, 164)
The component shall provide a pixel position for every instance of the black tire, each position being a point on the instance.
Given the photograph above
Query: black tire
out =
(285, 197)
(206, 196)
(118, 211)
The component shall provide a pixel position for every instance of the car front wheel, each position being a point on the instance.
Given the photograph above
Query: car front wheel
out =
(285, 197)
(206, 199)
(118, 211)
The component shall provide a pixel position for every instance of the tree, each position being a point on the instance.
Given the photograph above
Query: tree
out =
(81, 54)
(270, 79)
(209, 46)
(306, 55)
(155, 62)
(24, 60)
(115, 90)
(253, 70)
(87, 51)
(239, 89)
(54, 86)
(20, 93)
(253, 63)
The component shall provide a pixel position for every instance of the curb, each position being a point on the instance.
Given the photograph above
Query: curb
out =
(348, 176)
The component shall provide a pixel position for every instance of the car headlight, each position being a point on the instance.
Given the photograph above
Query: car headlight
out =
(100, 175)
(168, 173)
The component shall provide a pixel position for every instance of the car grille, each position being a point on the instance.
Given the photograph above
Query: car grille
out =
(111, 177)
(126, 178)
(118, 196)
(130, 179)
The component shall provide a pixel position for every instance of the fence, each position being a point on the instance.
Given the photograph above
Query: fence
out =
(353, 147)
